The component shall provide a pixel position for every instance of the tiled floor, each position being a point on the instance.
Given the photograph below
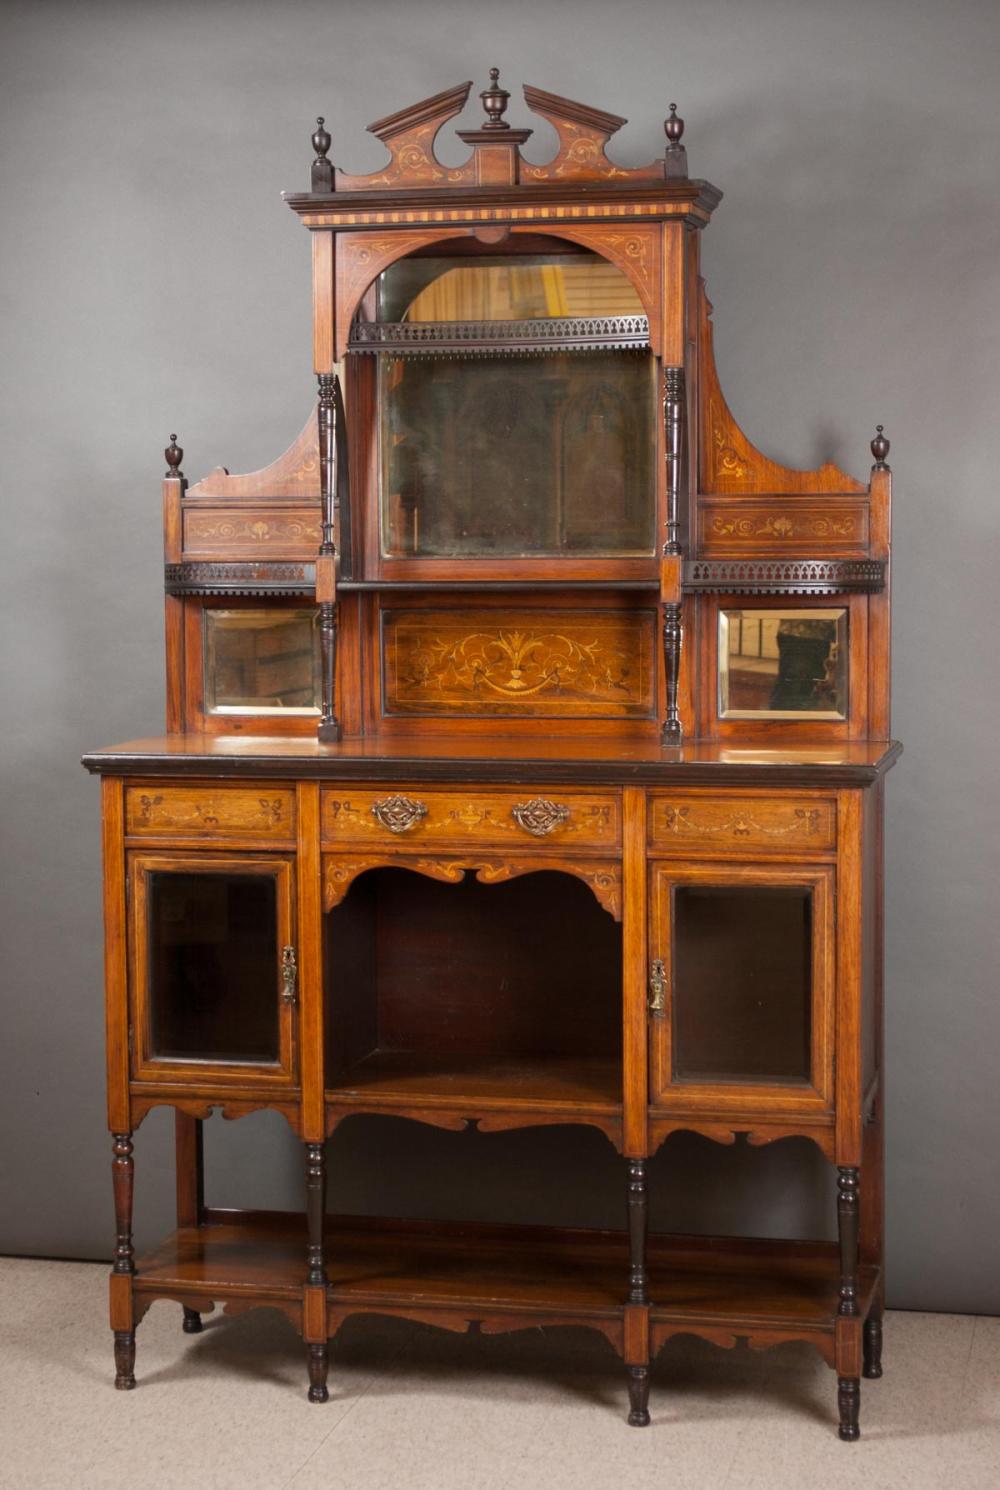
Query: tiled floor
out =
(416, 1409)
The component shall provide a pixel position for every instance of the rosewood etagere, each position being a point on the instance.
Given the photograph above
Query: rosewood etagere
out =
(520, 632)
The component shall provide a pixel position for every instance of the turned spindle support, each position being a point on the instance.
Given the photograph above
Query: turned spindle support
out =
(847, 1231)
(316, 1352)
(673, 431)
(637, 1197)
(326, 563)
(123, 1182)
(637, 1207)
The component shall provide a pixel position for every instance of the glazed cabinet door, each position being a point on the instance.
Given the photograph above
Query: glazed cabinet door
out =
(742, 988)
(213, 995)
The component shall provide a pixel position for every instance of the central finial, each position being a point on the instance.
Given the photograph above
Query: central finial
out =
(495, 101)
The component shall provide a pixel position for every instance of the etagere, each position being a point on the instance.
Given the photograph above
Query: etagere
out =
(521, 631)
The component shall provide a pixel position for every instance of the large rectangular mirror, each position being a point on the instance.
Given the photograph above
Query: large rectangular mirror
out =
(783, 664)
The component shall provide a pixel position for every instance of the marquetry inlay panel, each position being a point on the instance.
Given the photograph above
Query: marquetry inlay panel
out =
(186, 812)
(597, 664)
(682, 824)
(293, 532)
(771, 525)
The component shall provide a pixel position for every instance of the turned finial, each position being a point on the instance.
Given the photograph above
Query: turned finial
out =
(495, 101)
(174, 455)
(880, 449)
(673, 128)
(321, 139)
(322, 170)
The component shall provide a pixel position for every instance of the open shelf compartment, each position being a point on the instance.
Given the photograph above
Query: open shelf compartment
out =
(466, 1001)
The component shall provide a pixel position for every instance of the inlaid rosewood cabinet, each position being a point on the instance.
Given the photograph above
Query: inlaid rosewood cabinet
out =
(521, 632)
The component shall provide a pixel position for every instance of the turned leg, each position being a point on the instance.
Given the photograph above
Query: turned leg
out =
(638, 1396)
(192, 1321)
(122, 1179)
(315, 1263)
(849, 1403)
(318, 1360)
(848, 1387)
(873, 1345)
(637, 1198)
(124, 1360)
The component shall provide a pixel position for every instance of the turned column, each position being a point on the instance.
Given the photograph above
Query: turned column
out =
(326, 563)
(317, 1350)
(848, 1387)
(123, 1182)
(637, 1204)
(670, 581)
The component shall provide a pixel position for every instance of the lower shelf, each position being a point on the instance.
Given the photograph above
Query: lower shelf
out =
(505, 1276)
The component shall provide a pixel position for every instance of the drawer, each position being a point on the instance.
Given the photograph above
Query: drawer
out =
(251, 813)
(455, 819)
(719, 824)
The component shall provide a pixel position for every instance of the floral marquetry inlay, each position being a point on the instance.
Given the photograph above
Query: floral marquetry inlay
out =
(771, 525)
(716, 823)
(218, 532)
(436, 663)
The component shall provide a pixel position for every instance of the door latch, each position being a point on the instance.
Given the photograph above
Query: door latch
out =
(657, 989)
(289, 975)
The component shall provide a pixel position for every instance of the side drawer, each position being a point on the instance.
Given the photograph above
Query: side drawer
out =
(522, 817)
(252, 814)
(720, 825)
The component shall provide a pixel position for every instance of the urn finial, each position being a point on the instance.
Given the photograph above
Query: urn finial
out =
(495, 100)
(880, 448)
(174, 455)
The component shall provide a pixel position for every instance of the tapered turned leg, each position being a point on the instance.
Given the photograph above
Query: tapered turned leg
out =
(122, 1179)
(638, 1396)
(317, 1373)
(637, 1205)
(849, 1403)
(124, 1360)
(192, 1321)
(873, 1346)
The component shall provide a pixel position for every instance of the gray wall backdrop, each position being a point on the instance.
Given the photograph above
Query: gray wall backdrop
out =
(154, 281)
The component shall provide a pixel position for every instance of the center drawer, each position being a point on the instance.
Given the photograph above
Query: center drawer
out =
(523, 817)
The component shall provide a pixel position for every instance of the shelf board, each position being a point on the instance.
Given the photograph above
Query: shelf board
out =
(745, 1286)
(732, 1281)
(401, 1078)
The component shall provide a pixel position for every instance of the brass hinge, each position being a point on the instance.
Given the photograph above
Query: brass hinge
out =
(289, 975)
(657, 988)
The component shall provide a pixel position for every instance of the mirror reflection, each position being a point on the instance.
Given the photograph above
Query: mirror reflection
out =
(783, 664)
(261, 662)
(516, 288)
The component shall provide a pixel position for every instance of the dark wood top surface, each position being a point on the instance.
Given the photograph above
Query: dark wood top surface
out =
(617, 760)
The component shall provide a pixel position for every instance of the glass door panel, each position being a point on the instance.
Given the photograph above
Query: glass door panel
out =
(747, 961)
(209, 939)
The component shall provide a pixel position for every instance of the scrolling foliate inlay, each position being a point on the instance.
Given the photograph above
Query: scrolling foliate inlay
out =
(837, 525)
(584, 664)
(216, 532)
(804, 821)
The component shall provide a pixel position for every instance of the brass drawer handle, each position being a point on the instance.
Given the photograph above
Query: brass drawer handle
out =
(398, 814)
(539, 816)
(289, 976)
